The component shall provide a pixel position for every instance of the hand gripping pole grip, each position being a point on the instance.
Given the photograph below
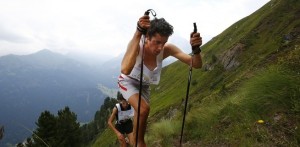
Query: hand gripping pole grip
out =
(196, 49)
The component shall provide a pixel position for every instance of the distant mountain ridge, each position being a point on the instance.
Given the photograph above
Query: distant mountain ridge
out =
(30, 84)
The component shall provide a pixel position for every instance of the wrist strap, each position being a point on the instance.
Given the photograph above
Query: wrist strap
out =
(140, 29)
(196, 50)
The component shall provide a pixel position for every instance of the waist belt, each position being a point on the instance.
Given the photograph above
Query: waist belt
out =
(123, 121)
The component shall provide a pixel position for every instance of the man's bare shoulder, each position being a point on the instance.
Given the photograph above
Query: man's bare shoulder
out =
(171, 49)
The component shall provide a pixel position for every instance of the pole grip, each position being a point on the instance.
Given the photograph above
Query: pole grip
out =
(195, 49)
(195, 28)
(148, 12)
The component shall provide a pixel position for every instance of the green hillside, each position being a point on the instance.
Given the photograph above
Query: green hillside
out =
(251, 72)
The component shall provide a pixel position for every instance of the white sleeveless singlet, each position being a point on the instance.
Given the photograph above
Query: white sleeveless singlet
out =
(149, 77)
(124, 114)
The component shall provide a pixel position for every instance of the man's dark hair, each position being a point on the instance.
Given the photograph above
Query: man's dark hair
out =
(120, 96)
(160, 26)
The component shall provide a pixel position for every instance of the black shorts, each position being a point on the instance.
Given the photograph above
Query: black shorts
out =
(125, 128)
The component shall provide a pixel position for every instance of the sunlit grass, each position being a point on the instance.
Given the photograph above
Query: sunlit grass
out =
(163, 133)
(233, 121)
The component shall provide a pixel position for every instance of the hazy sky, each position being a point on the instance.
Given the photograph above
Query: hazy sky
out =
(105, 27)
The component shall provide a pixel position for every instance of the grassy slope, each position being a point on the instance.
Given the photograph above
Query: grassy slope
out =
(106, 139)
(224, 105)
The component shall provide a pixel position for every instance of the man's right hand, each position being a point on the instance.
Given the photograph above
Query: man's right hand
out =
(144, 23)
(196, 42)
(121, 136)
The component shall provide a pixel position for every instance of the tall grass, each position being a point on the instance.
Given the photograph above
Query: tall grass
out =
(163, 133)
(272, 96)
(270, 90)
(233, 121)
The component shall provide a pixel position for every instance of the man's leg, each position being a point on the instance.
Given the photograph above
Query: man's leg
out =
(121, 138)
(144, 112)
(131, 138)
(122, 142)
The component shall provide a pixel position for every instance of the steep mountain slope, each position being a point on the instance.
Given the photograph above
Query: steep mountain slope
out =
(42, 81)
(250, 73)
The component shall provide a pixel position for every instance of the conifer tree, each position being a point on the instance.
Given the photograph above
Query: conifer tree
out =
(68, 129)
(45, 133)
(59, 131)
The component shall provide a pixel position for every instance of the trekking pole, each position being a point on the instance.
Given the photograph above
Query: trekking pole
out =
(188, 88)
(141, 78)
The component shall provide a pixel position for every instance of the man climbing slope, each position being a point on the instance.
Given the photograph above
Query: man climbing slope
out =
(149, 44)
(123, 113)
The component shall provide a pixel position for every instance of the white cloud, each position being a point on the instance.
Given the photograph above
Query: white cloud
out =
(105, 27)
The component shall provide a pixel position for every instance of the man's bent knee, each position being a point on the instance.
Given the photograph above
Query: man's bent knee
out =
(144, 111)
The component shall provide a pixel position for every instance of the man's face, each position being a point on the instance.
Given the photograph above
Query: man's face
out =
(124, 103)
(156, 43)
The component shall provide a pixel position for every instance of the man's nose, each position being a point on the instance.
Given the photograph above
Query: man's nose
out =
(160, 47)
